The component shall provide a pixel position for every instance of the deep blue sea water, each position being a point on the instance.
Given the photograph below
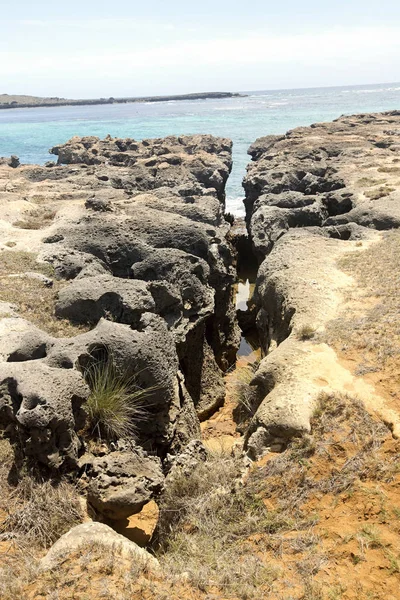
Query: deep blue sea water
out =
(29, 133)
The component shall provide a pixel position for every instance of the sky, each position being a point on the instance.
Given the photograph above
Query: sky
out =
(92, 48)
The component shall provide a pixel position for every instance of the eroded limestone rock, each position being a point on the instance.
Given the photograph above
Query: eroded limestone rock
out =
(337, 182)
(89, 535)
(122, 482)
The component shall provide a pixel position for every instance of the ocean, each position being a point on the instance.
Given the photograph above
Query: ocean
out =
(30, 132)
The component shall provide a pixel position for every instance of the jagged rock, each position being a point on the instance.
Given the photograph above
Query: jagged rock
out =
(314, 176)
(42, 408)
(123, 482)
(86, 536)
(141, 233)
(12, 161)
(99, 204)
(168, 161)
(71, 264)
(148, 354)
(184, 463)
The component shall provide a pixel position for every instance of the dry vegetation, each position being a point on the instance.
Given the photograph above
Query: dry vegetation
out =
(205, 522)
(320, 521)
(368, 331)
(34, 513)
(277, 536)
(306, 332)
(34, 301)
(38, 218)
(246, 397)
(380, 192)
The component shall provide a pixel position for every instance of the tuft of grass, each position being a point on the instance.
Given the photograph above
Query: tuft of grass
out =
(306, 332)
(380, 192)
(371, 537)
(370, 181)
(312, 591)
(391, 170)
(116, 404)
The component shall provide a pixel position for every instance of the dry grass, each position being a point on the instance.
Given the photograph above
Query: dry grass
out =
(306, 332)
(16, 574)
(38, 218)
(338, 421)
(370, 181)
(94, 572)
(35, 302)
(369, 328)
(33, 515)
(391, 170)
(246, 396)
(205, 521)
(380, 192)
(223, 534)
(34, 512)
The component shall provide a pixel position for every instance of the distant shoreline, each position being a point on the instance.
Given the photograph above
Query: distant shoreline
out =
(8, 102)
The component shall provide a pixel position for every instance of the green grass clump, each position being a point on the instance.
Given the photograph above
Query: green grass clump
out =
(116, 403)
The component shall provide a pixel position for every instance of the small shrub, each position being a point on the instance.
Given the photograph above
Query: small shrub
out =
(116, 403)
(306, 332)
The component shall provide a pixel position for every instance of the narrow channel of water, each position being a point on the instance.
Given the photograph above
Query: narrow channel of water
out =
(249, 343)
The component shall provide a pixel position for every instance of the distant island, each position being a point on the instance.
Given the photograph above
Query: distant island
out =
(21, 101)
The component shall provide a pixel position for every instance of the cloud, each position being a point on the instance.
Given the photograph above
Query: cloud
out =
(96, 24)
(344, 48)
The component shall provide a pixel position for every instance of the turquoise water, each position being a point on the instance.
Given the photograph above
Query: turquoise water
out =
(29, 133)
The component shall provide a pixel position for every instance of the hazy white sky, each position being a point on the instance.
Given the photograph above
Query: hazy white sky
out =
(94, 48)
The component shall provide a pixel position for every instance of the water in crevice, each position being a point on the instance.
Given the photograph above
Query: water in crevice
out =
(249, 342)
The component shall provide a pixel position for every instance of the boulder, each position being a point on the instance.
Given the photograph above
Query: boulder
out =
(83, 537)
(121, 483)
(20, 340)
(148, 354)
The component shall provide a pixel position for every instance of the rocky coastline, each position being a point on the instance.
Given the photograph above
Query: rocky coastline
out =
(120, 253)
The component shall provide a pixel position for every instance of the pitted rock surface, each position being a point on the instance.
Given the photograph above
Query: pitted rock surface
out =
(338, 182)
(140, 239)
(123, 482)
(329, 174)
(43, 407)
